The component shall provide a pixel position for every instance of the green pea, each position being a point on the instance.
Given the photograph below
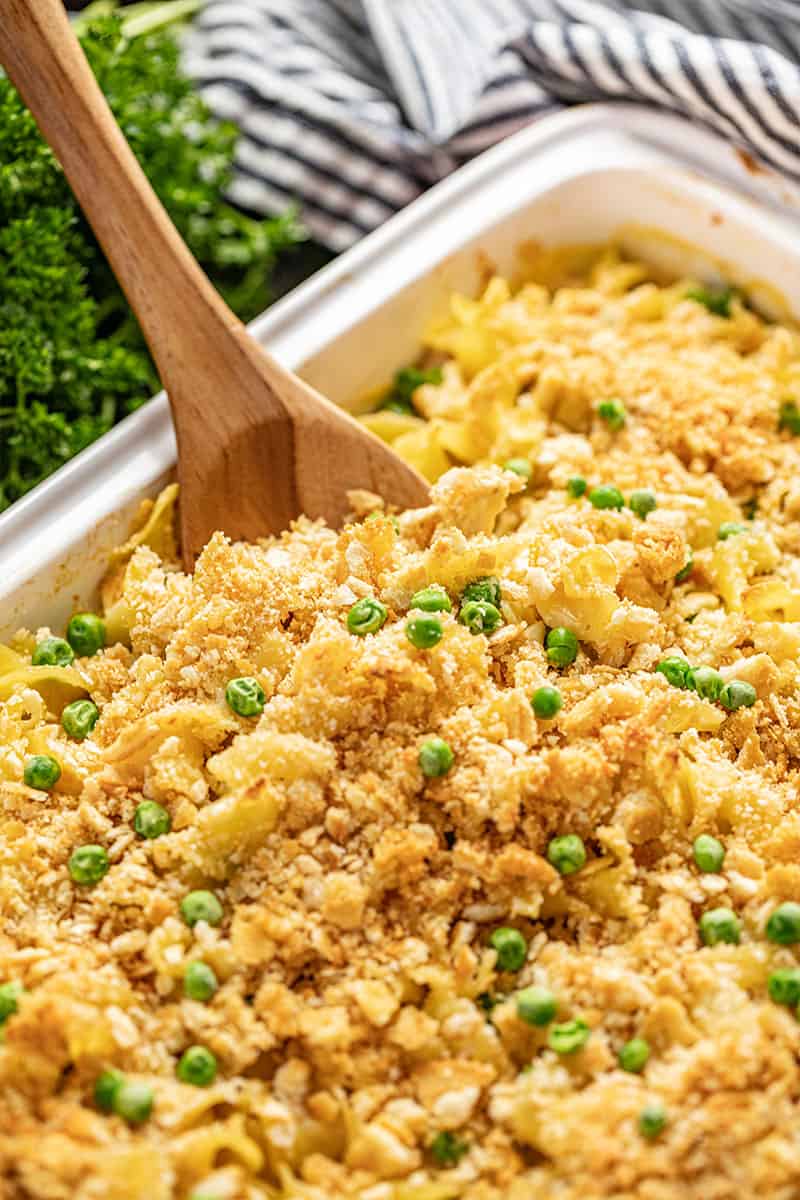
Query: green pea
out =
(408, 379)
(106, 1087)
(642, 503)
(447, 1148)
(613, 413)
(435, 757)
(707, 682)
(52, 652)
(397, 404)
(199, 981)
(561, 647)
(520, 466)
(151, 820)
(633, 1055)
(784, 986)
(783, 926)
(42, 772)
(606, 496)
(729, 529)
(510, 947)
(652, 1120)
(432, 599)
(86, 634)
(366, 616)
(88, 865)
(197, 1066)
(480, 616)
(737, 694)
(9, 999)
(245, 697)
(576, 487)
(546, 702)
(201, 906)
(716, 300)
(424, 632)
(536, 1006)
(685, 570)
(675, 670)
(79, 719)
(566, 853)
(569, 1037)
(133, 1101)
(709, 854)
(789, 417)
(486, 588)
(720, 925)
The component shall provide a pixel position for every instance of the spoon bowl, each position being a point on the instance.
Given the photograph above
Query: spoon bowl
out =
(256, 445)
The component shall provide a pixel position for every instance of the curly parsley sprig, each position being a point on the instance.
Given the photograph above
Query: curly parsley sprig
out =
(72, 358)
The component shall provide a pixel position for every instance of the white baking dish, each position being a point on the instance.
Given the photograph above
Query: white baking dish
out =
(583, 176)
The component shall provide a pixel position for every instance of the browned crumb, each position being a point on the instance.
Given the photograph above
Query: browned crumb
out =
(361, 1010)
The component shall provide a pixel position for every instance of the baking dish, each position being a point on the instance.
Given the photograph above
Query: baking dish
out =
(672, 194)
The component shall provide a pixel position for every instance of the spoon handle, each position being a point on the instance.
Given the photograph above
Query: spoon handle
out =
(256, 446)
(157, 272)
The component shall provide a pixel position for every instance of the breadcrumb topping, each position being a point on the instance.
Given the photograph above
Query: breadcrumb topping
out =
(361, 1007)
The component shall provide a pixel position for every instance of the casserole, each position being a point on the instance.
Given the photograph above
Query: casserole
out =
(584, 175)
(383, 779)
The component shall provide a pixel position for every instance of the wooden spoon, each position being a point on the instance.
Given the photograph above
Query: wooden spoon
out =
(256, 446)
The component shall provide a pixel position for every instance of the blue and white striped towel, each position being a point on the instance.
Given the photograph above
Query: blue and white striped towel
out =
(353, 107)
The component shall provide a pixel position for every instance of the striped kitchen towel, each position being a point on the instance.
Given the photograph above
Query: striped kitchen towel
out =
(353, 107)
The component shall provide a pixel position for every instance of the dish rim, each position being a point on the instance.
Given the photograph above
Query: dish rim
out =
(78, 509)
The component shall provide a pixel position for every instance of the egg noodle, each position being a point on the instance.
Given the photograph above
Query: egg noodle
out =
(490, 892)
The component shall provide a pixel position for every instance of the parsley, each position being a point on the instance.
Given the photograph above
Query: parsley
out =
(448, 1148)
(72, 358)
(789, 417)
(488, 1003)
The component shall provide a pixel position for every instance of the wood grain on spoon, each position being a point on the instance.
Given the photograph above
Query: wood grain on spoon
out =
(256, 445)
